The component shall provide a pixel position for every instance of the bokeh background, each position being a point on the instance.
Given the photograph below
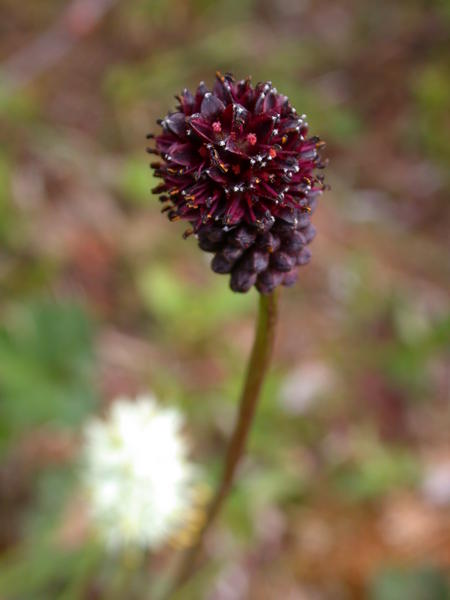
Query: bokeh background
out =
(345, 492)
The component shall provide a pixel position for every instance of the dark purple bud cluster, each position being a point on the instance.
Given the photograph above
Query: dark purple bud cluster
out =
(238, 165)
(265, 259)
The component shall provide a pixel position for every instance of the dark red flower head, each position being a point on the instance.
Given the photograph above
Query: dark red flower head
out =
(237, 163)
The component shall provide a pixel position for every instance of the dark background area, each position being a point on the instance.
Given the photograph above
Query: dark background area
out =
(345, 493)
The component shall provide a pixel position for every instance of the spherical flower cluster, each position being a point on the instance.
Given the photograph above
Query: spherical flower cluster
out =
(139, 480)
(237, 163)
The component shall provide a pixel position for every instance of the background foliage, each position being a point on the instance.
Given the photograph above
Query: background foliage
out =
(346, 489)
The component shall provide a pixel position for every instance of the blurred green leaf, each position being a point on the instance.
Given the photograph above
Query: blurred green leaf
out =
(376, 471)
(42, 570)
(406, 363)
(46, 362)
(18, 107)
(432, 91)
(188, 310)
(423, 583)
(6, 210)
(136, 181)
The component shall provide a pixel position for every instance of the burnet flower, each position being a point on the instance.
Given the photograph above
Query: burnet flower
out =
(141, 485)
(238, 165)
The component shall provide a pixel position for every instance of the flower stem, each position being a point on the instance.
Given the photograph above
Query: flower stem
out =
(254, 379)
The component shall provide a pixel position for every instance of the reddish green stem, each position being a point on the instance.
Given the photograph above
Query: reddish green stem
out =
(256, 372)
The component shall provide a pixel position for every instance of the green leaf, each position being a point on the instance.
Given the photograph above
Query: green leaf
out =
(46, 367)
(188, 310)
(425, 583)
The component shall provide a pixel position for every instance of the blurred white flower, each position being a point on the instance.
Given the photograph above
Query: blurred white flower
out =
(140, 482)
(436, 483)
(306, 384)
